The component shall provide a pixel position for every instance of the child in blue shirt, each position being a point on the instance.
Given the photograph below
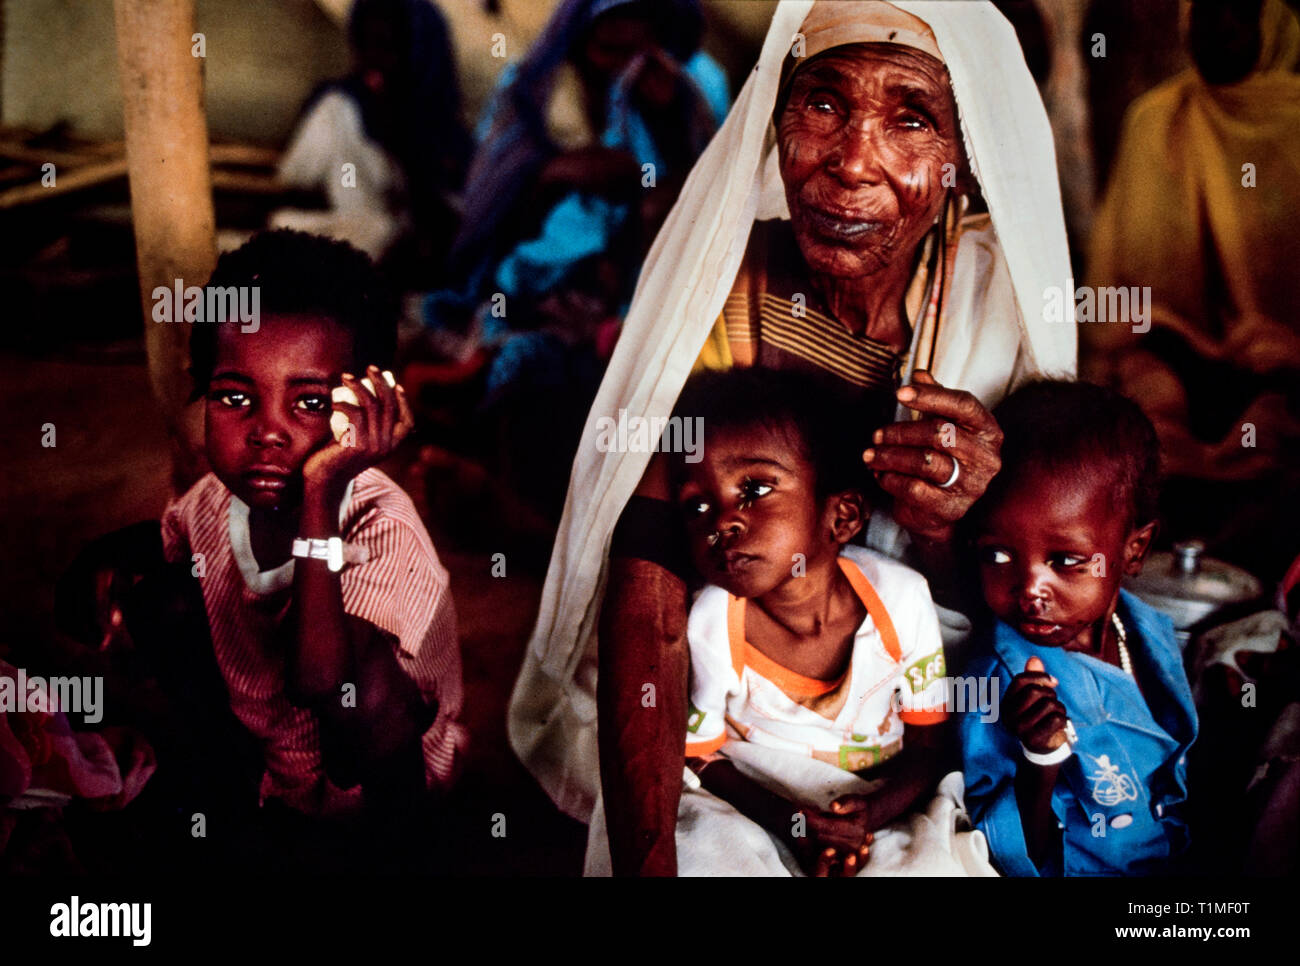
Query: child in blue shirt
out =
(1085, 773)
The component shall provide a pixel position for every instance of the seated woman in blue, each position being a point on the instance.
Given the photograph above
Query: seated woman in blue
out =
(613, 99)
(1085, 773)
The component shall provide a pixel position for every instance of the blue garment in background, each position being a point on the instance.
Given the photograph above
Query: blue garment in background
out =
(582, 225)
(1119, 798)
(577, 227)
(514, 143)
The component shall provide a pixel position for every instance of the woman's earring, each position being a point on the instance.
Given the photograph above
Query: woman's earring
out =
(713, 538)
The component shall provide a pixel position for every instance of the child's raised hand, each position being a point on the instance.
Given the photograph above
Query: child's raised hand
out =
(379, 421)
(1031, 710)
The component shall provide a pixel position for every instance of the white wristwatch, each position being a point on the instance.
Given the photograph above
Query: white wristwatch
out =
(330, 550)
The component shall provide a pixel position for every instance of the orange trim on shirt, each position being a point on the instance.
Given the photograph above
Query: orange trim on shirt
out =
(875, 607)
(922, 717)
(791, 682)
(698, 749)
(743, 652)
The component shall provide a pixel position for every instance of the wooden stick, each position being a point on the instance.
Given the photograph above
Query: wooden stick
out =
(21, 138)
(19, 172)
(86, 176)
(248, 183)
(248, 154)
(62, 157)
(171, 188)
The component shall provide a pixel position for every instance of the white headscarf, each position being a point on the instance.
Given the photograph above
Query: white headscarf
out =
(993, 334)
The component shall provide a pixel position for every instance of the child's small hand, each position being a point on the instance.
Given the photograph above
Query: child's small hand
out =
(377, 425)
(831, 864)
(1031, 710)
(839, 839)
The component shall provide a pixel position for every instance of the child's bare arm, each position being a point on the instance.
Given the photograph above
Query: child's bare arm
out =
(1037, 718)
(379, 727)
(825, 844)
(1034, 785)
(371, 730)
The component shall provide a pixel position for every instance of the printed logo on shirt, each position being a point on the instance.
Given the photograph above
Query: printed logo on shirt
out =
(694, 719)
(925, 672)
(1109, 785)
(862, 757)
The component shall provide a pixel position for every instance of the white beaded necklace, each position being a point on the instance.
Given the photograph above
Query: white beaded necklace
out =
(1125, 662)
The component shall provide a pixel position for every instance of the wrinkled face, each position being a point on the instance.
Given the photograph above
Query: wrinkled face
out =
(864, 137)
(1052, 555)
(754, 491)
(268, 407)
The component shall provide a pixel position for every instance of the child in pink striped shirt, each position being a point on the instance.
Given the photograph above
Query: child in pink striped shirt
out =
(330, 613)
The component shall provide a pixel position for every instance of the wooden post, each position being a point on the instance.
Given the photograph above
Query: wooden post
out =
(171, 192)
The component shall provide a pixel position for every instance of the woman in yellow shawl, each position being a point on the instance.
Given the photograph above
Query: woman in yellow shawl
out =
(1201, 208)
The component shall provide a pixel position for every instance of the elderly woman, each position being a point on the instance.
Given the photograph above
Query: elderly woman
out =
(834, 225)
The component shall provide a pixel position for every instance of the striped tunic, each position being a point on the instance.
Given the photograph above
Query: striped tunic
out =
(395, 582)
(774, 318)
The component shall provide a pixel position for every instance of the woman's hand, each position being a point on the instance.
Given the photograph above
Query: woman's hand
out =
(913, 460)
(379, 423)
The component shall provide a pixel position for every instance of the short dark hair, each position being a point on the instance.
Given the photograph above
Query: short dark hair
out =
(1079, 431)
(786, 401)
(301, 274)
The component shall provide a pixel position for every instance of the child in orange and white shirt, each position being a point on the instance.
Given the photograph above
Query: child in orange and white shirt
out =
(802, 646)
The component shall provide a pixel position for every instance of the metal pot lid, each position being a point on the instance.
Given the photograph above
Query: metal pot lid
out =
(1187, 575)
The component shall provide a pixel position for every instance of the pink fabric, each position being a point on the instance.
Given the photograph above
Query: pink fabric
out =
(39, 750)
(401, 588)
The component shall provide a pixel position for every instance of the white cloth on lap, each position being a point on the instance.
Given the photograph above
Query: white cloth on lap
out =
(714, 839)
